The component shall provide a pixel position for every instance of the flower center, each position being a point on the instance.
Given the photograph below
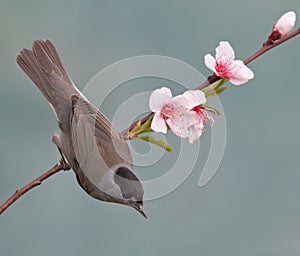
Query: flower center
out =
(224, 66)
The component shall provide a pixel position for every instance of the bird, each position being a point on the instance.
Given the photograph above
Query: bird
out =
(87, 141)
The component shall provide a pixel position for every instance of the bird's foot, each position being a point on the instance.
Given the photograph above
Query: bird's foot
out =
(64, 164)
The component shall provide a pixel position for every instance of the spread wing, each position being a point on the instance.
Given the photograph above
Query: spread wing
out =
(97, 145)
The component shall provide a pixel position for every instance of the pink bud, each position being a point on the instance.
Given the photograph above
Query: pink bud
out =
(283, 26)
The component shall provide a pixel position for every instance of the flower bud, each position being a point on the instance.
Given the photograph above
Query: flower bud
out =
(283, 26)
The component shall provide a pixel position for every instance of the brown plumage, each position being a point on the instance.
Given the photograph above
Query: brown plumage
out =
(92, 146)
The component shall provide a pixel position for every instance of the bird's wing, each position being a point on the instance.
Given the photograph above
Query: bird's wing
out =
(97, 145)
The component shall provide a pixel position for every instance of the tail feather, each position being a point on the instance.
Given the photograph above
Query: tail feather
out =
(49, 60)
(27, 62)
(44, 67)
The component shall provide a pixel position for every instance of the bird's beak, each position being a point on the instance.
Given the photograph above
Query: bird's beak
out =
(141, 210)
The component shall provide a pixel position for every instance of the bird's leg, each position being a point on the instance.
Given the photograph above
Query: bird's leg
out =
(63, 162)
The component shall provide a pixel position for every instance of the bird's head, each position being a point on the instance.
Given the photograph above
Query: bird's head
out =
(131, 190)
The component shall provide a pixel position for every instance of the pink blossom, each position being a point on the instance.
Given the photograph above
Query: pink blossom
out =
(202, 119)
(283, 25)
(224, 65)
(183, 114)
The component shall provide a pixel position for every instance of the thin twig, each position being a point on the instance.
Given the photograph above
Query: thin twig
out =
(214, 78)
(265, 48)
(38, 181)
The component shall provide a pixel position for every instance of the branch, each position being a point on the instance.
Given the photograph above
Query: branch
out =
(38, 181)
(267, 46)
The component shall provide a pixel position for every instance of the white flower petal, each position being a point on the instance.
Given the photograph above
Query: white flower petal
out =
(180, 101)
(195, 132)
(224, 50)
(194, 98)
(158, 124)
(181, 132)
(210, 62)
(158, 98)
(180, 122)
(285, 23)
(242, 73)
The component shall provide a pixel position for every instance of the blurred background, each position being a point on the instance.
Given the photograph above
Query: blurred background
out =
(250, 207)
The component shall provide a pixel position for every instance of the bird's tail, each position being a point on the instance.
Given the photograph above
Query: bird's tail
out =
(44, 67)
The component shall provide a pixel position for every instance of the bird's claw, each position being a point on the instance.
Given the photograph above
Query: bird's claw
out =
(64, 164)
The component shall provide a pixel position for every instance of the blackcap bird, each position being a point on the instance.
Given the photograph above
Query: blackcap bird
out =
(92, 146)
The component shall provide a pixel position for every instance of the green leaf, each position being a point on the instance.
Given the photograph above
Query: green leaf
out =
(148, 122)
(215, 88)
(144, 130)
(140, 127)
(157, 142)
(221, 89)
(137, 126)
(219, 83)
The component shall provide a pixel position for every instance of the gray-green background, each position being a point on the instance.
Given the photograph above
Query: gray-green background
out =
(251, 207)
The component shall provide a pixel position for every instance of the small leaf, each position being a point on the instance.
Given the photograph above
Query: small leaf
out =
(219, 83)
(215, 88)
(221, 89)
(137, 126)
(144, 130)
(148, 122)
(157, 142)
